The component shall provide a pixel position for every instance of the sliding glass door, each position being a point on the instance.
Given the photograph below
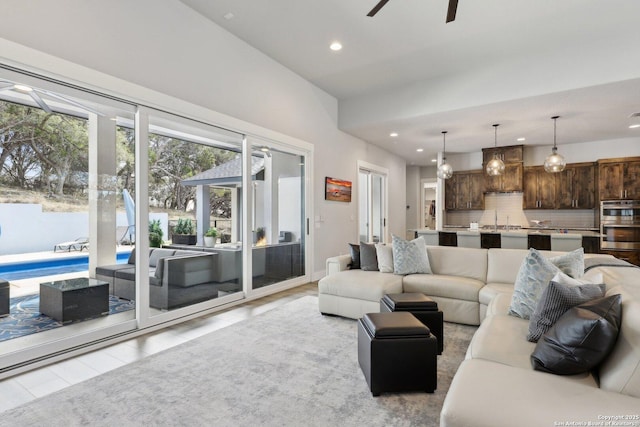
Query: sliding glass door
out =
(115, 217)
(278, 219)
(65, 155)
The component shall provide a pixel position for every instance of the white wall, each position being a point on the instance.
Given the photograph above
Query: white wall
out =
(26, 228)
(164, 46)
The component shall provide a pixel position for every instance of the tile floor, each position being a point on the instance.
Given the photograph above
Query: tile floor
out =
(40, 382)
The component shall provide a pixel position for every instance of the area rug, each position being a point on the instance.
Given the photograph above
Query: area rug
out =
(290, 366)
(25, 318)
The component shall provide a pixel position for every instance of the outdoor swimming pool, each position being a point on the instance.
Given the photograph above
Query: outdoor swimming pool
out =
(48, 267)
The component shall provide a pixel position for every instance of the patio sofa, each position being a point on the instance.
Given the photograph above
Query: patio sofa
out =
(496, 384)
(176, 277)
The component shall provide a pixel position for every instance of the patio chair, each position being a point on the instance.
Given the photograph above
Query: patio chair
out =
(79, 244)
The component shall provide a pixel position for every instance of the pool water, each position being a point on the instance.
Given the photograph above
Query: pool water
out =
(39, 268)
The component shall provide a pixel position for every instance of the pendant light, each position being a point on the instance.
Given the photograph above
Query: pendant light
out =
(495, 166)
(445, 171)
(555, 162)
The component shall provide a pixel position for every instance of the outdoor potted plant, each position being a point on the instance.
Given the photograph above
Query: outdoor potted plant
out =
(183, 232)
(155, 233)
(210, 237)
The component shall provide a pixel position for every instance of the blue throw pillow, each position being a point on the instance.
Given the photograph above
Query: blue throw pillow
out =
(410, 256)
(534, 276)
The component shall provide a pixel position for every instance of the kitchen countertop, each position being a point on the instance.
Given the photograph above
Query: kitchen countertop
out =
(585, 232)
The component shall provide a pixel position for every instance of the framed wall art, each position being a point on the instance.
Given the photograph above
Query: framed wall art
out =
(337, 190)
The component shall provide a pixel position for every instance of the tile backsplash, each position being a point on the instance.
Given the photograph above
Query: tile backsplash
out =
(510, 205)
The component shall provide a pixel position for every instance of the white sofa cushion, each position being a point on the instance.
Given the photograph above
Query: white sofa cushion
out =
(620, 371)
(490, 290)
(488, 394)
(461, 262)
(359, 284)
(439, 285)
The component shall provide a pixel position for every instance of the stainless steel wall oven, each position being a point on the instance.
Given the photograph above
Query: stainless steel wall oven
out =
(620, 224)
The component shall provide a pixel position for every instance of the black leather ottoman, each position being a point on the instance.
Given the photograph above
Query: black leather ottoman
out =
(4, 298)
(422, 307)
(396, 352)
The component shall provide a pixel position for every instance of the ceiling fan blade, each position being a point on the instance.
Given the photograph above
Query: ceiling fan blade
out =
(451, 12)
(377, 7)
(40, 102)
(71, 101)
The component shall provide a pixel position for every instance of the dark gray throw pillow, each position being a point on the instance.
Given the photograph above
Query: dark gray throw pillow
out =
(368, 257)
(581, 339)
(556, 299)
(354, 250)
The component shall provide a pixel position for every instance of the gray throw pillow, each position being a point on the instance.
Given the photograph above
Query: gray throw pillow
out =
(410, 256)
(571, 263)
(562, 294)
(368, 257)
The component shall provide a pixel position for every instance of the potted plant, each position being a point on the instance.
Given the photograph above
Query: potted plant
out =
(155, 233)
(183, 232)
(210, 237)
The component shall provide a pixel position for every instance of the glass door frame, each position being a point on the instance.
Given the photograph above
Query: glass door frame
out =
(371, 170)
(254, 143)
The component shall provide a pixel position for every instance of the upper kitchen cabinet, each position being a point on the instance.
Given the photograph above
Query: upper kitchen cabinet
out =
(576, 186)
(511, 179)
(465, 191)
(508, 154)
(539, 188)
(619, 178)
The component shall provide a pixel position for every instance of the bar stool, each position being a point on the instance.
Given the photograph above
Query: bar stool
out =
(565, 242)
(514, 240)
(468, 239)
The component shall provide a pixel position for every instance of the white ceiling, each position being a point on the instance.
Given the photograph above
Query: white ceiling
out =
(513, 62)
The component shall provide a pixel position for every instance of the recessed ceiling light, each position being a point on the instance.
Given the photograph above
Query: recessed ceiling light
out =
(393, 134)
(420, 150)
(335, 46)
(521, 139)
(634, 126)
(434, 160)
(229, 16)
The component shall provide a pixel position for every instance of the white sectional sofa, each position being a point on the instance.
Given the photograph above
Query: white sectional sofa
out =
(496, 385)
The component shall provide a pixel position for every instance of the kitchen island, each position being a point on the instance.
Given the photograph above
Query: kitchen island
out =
(538, 238)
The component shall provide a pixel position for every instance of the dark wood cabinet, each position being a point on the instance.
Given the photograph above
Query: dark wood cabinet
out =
(465, 191)
(539, 188)
(511, 179)
(508, 154)
(619, 178)
(450, 193)
(576, 187)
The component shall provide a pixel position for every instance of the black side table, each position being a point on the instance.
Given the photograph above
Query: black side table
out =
(74, 299)
(4, 298)
(422, 307)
